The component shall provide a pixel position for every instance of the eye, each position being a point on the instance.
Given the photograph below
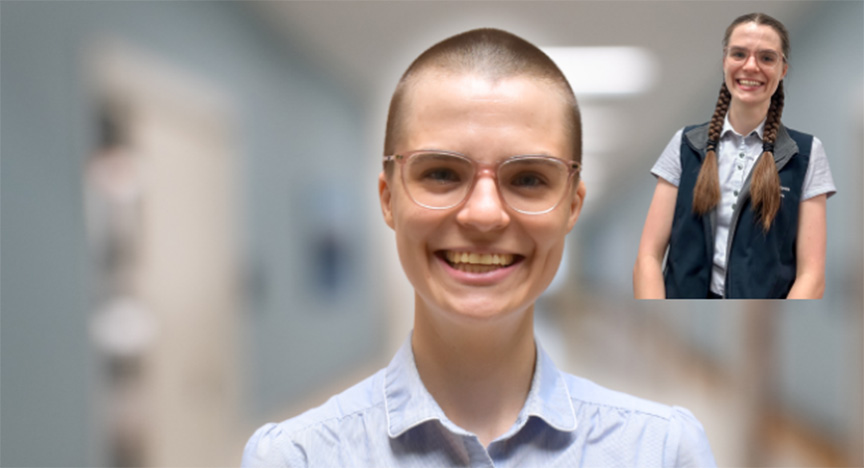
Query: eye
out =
(737, 54)
(438, 170)
(769, 59)
(441, 175)
(528, 180)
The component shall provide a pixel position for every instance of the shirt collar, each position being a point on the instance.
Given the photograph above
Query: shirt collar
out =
(409, 404)
(727, 127)
(406, 400)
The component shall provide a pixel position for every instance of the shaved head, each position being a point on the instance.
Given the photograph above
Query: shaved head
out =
(493, 55)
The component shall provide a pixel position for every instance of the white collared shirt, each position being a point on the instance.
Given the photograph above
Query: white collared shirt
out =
(736, 156)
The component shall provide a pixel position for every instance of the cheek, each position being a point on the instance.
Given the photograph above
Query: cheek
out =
(411, 246)
(727, 72)
(549, 237)
(550, 253)
(414, 226)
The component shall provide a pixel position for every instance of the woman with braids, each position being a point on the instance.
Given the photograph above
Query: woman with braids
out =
(740, 200)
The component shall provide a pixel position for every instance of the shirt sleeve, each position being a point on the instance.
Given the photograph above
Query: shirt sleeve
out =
(687, 445)
(668, 165)
(267, 448)
(818, 179)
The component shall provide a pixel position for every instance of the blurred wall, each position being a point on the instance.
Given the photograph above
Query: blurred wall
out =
(821, 342)
(303, 271)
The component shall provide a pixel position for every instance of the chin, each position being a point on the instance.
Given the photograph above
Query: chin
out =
(750, 99)
(482, 309)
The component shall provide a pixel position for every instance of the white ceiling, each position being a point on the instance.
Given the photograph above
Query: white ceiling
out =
(367, 45)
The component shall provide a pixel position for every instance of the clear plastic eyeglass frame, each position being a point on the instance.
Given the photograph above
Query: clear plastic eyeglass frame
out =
(573, 168)
(764, 57)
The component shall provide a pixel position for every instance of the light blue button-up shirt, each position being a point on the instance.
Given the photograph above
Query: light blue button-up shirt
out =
(391, 420)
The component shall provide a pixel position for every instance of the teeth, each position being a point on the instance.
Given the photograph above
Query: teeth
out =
(749, 83)
(479, 259)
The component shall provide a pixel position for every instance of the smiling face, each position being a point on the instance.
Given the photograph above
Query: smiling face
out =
(480, 260)
(751, 80)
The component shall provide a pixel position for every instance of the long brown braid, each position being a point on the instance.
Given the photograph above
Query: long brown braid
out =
(706, 193)
(765, 182)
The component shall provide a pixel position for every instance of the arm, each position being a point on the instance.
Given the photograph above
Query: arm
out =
(648, 271)
(810, 250)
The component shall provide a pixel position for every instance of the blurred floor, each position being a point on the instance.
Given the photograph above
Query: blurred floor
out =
(627, 346)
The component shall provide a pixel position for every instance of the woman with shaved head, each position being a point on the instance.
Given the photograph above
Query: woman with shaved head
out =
(481, 185)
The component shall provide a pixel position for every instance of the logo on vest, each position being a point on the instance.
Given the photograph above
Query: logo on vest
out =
(783, 189)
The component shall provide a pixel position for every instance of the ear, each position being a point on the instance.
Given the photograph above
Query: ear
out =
(385, 195)
(576, 201)
(785, 69)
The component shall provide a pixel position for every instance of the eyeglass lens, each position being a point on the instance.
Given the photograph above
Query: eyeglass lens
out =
(528, 184)
(764, 57)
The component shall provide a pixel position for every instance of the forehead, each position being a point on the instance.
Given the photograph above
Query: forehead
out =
(754, 35)
(472, 89)
(460, 104)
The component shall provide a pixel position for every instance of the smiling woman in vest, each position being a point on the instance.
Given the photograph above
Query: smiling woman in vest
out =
(740, 200)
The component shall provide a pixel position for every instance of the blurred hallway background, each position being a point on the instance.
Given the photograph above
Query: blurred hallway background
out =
(192, 244)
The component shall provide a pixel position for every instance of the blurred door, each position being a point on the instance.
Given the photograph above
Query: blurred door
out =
(177, 127)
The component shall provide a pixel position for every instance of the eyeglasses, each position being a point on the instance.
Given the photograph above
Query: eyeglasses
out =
(764, 57)
(529, 184)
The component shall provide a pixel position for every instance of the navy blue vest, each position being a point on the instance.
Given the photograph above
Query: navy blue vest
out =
(759, 264)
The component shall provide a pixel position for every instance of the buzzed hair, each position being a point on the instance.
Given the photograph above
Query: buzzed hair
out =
(494, 55)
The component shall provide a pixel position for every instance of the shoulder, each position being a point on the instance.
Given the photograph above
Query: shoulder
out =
(793, 132)
(671, 430)
(688, 128)
(668, 165)
(805, 138)
(678, 135)
(816, 148)
(584, 392)
(696, 135)
(287, 443)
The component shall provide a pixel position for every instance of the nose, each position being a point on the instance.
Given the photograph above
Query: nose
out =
(750, 62)
(484, 210)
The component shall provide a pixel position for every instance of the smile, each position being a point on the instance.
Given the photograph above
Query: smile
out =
(472, 262)
(749, 83)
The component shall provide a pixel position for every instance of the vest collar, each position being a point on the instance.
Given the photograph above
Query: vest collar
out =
(784, 148)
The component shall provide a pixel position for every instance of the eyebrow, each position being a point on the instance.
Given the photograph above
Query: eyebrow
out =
(757, 50)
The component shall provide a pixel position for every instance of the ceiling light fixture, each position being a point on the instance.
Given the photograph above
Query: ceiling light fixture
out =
(605, 71)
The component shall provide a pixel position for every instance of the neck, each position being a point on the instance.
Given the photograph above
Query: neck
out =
(745, 118)
(479, 373)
